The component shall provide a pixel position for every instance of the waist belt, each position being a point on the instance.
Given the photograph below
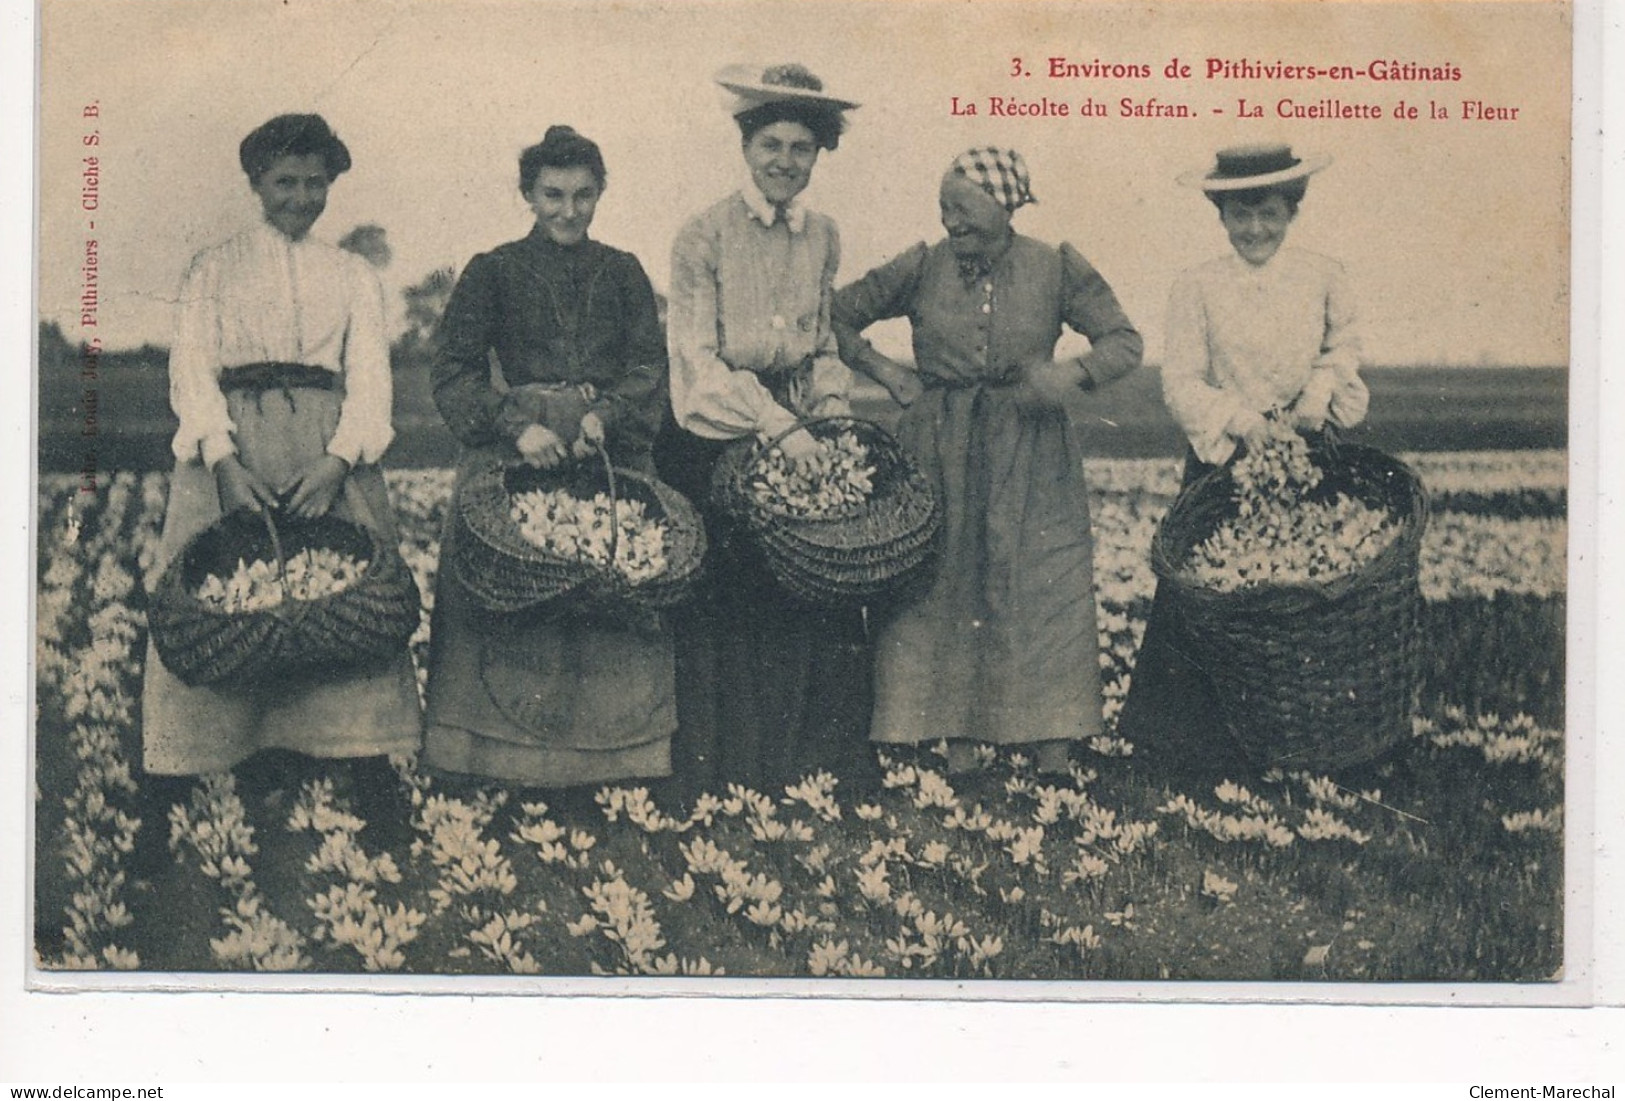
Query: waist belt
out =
(1010, 376)
(257, 378)
(261, 378)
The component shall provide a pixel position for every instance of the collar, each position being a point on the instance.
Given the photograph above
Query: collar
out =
(972, 268)
(270, 234)
(539, 238)
(1270, 269)
(795, 214)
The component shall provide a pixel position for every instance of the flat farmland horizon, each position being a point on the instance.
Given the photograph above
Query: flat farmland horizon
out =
(1412, 409)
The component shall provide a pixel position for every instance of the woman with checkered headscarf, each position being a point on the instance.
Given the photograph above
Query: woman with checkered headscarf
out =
(1002, 649)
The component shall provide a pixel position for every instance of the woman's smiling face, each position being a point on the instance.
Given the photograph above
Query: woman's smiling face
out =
(1257, 229)
(781, 158)
(293, 193)
(565, 200)
(976, 222)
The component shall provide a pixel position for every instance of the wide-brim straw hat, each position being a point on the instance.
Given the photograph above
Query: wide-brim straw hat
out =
(1244, 167)
(753, 85)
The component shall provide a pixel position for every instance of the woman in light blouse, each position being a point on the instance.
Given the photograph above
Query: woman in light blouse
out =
(1002, 649)
(1264, 333)
(279, 375)
(767, 690)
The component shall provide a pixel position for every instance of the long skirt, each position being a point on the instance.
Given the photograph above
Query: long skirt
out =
(1003, 646)
(545, 702)
(1170, 714)
(187, 730)
(769, 690)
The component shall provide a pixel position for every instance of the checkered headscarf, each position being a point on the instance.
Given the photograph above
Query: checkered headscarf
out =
(999, 172)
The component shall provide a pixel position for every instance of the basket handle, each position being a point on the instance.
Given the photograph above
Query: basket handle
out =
(1331, 437)
(804, 422)
(614, 512)
(276, 549)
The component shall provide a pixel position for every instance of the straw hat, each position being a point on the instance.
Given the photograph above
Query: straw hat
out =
(1243, 167)
(752, 86)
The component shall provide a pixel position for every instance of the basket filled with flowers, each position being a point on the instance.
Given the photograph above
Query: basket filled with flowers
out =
(855, 523)
(575, 537)
(257, 596)
(1295, 579)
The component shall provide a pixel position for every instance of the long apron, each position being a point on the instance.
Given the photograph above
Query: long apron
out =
(539, 701)
(1003, 647)
(190, 730)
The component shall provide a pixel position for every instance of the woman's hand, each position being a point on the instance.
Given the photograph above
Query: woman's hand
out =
(1310, 413)
(240, 487)
(318, 486)
(1046, 384)
(799, 446)
(540, 446)
(905, 388)
(589, 437)
(903, 385)
(1247, 425)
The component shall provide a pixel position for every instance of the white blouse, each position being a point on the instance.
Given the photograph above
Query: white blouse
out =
(1257, 337)
(750, 295)
(261, 297)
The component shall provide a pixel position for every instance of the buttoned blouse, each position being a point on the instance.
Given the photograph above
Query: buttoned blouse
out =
(551, 313)
(970, 330)
(750, 297)
(262, 297)
(1246, 337)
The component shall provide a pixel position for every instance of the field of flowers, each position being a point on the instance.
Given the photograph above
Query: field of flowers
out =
(1442, 863)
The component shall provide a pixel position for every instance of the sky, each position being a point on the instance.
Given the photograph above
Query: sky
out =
(1454, 231)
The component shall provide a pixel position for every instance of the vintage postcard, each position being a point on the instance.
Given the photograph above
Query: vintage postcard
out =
(1033, 499)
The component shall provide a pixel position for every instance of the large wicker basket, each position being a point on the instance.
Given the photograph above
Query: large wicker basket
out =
(365, 624)
(507, 573)
(879, 549)
(1316, 676)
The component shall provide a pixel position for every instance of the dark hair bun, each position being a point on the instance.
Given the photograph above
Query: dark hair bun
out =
(293, 136)
(561, 147)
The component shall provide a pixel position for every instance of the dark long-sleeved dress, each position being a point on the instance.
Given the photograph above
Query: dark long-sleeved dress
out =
(535, 701)
(1003, 647)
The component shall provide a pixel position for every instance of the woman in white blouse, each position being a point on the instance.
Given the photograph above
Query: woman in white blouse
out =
(279, 376)
(767, 690)
(1263, 334)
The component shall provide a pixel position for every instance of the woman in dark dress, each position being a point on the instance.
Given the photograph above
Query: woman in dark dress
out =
(573, 327)
(769, 690)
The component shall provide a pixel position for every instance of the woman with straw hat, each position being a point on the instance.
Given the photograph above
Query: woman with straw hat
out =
(1258, 339)
(767, 690)
(1002, 649)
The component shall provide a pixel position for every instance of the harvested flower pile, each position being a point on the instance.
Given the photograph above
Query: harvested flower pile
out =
(254, 586)
(1280, 536)
(838, 478)
(570, 528)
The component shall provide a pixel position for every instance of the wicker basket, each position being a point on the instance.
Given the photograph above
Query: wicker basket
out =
(507, 573)
(1318, 676)
(365, 624)
(874, 550)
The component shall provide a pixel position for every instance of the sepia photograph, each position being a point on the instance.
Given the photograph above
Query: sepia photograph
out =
(1028, 496)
